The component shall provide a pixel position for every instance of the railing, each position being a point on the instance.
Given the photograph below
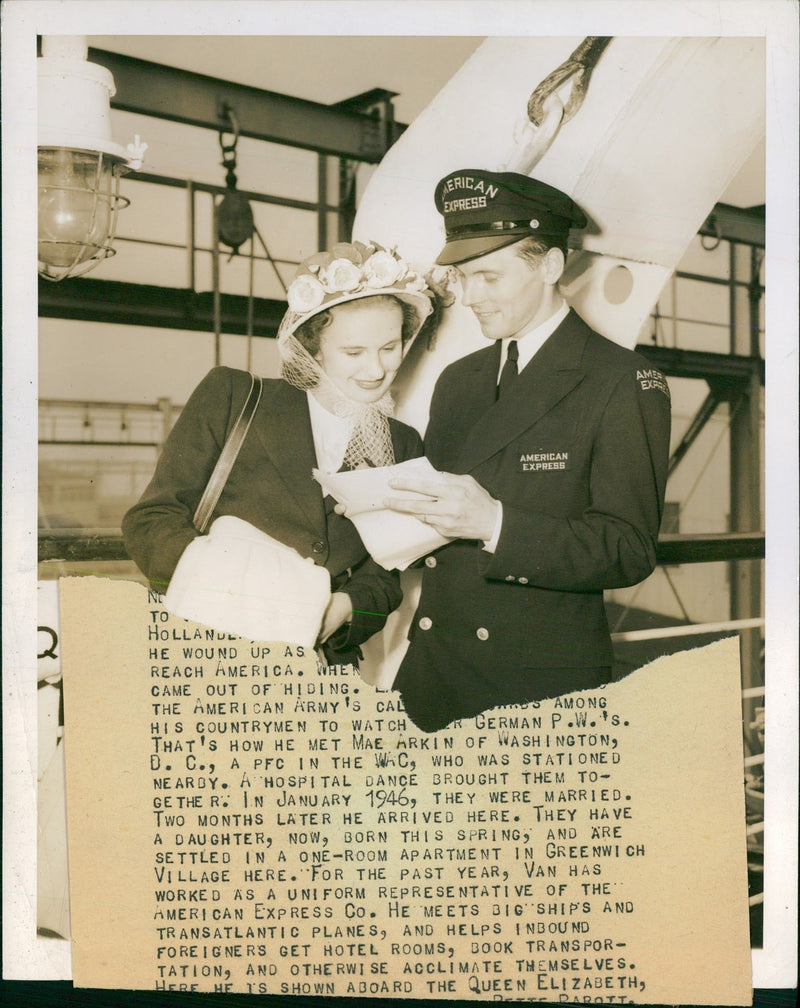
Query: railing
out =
(84, 544)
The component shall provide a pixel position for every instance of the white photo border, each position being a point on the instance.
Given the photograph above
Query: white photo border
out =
(26, 957)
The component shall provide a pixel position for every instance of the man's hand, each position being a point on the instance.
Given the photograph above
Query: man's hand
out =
(339, 612)
(458, 508)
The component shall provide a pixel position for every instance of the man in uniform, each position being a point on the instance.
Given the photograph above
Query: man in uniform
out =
(552, 446)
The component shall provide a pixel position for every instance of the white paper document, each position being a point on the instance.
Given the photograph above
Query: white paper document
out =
(393, 540)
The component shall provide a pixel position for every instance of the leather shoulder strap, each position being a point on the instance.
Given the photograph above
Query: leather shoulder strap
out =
(227, 456)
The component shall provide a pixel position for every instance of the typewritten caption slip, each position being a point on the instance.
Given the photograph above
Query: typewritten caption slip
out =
(243, 820)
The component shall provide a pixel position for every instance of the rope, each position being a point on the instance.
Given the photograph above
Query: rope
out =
(272, 262)
(215, 279)
(547, 112)
(725, 430)
(678, 599)
(250, 306)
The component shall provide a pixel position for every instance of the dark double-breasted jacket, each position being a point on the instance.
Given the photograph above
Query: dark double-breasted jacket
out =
(271, 486)
(577, 454)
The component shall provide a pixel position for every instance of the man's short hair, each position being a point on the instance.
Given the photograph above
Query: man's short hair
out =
(531, 250)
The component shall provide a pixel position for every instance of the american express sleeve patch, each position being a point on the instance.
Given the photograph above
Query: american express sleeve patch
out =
(651, 378)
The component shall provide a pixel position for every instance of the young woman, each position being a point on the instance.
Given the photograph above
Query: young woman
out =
(352, 314)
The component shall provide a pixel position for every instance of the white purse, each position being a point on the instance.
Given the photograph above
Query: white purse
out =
(239, 580)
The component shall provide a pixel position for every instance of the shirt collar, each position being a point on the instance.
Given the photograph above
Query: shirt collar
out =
(331, 434)
(531, 341)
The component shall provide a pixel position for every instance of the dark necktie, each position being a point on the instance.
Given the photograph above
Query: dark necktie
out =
(509, 372)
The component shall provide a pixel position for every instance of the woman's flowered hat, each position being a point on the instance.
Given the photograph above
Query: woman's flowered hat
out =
(349, 271)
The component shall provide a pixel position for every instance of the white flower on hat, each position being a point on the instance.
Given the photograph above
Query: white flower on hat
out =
(341, 276)
(304, 294)
(382, 269)
(416, 283)
(443, 276)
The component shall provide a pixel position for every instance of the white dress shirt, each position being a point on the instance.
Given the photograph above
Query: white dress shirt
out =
(528, 345)
(533, 340)
(331, 434)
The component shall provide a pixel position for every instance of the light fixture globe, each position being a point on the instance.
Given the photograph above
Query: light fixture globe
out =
(78, 204)
(79, 164)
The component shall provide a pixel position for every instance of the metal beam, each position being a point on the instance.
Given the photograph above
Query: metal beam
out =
(710, 548)
(377, 102)
(736, 224)
(367, 100)
(153, 89)
(120, 302)
(78, 545)
(113, 301)
(107, 544)
(177, 308)
(725, 368)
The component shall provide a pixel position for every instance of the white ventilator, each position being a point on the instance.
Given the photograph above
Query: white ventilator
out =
(664, 126)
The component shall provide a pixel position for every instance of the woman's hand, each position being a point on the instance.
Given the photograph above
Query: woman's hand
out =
(339, 612)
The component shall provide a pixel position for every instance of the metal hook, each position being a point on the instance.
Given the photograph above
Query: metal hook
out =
(554, 102)
(717, 234)
(228, 112)
(577, 69)
(229, 149)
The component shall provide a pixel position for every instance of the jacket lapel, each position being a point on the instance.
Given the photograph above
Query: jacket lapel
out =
(553, 372)
(481, 391)
(283, 425)
(464, 403)
(483, 388)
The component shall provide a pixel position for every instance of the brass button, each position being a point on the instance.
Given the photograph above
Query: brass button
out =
(318, 546)
(425, 623)
(482, 633)
(430, 561)
(523, 580)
